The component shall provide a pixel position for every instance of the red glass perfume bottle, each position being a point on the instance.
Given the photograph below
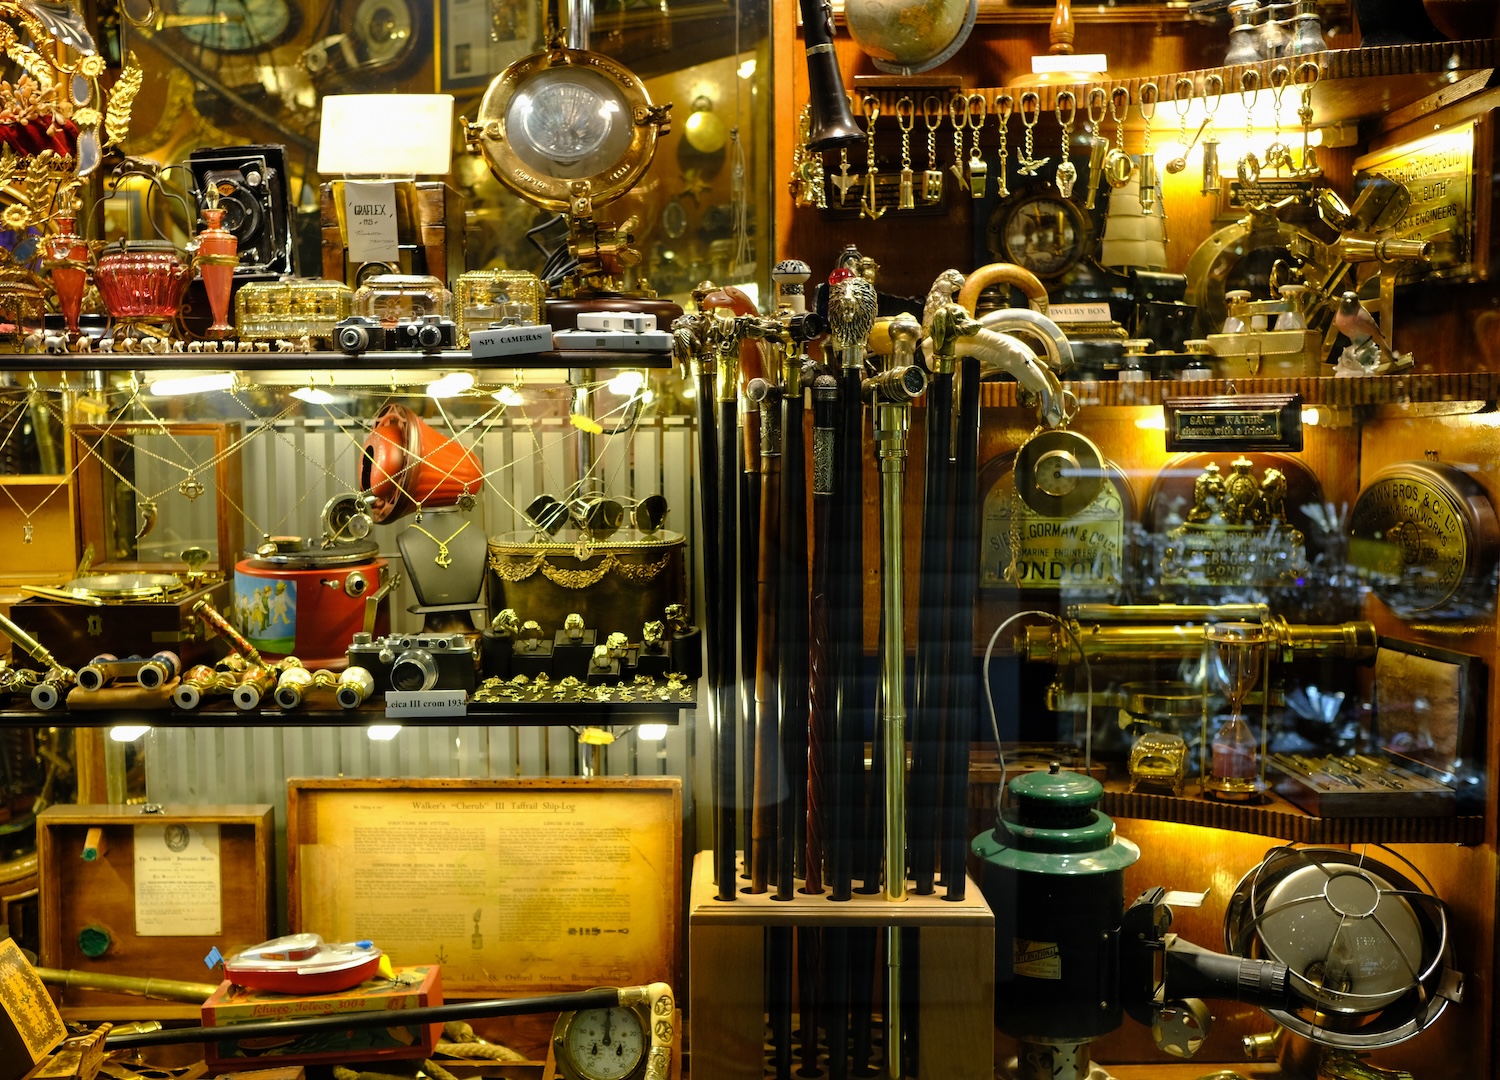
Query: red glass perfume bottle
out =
(67, 260)
(216, 257)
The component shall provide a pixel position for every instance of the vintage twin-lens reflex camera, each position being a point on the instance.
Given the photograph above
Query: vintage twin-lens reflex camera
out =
(364, 333)
(415, 661)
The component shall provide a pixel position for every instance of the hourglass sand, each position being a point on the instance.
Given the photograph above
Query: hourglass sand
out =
(1236, 654)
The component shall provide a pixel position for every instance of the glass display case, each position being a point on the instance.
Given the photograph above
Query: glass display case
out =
(1067, 656)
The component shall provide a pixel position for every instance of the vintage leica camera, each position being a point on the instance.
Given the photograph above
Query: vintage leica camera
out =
(415, 661)
(254, 194)
(364, 333)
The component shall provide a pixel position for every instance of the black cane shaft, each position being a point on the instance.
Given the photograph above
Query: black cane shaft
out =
(820, 649)
(767, 726)
(779, 997)
(928, 717)
(846, 616)
(963, 689)
(726, 776)
(312, 1025)
(792, 625)
(809, 972)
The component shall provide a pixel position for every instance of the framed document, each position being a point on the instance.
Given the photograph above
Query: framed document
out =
(478, 39)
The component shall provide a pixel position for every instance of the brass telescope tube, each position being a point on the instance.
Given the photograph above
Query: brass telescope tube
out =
(163, 989)
(1117, 643)
(893, 391)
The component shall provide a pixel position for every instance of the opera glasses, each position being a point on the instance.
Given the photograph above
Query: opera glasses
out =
(415, 661)
(150, 672)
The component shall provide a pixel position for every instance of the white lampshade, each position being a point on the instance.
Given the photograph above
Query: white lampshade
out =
(386, 135)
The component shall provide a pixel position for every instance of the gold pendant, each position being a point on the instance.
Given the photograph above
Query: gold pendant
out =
(442, 558)
(191, 488)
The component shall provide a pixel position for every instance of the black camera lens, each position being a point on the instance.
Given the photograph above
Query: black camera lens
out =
(429, 335)
(414, 669)
(354, 339)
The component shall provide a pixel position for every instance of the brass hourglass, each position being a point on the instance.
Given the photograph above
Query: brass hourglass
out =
(1236, 655)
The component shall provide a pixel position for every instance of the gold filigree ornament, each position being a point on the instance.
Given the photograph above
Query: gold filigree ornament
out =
(121, 100)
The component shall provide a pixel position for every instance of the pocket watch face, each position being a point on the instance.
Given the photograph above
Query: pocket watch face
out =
(600, 1044)
(238, 25)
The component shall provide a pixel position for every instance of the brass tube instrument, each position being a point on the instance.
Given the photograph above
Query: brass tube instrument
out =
(163, 989)
(49, 692)
(1106, 634)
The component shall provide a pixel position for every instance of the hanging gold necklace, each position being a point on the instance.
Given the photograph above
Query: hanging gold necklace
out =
(442, 558)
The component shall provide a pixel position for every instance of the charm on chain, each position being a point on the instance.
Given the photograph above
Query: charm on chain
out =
(958, 112)
(147, 510)
(1213, 92)
(1118, 167)
(1098, 145)
(977, 168)
(1182, 101)
(1004, 106)
(1278, 154)
(932, 178)
(869, 207)
(906, 119)
(191, 487)
(1309, 167)
(1031, 111)
(1248, 166)
(807, 179)
(1149, 98)
(1067, 173)
(844, 179)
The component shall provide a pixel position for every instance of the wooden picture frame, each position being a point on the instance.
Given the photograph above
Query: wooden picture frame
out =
(1429, 707)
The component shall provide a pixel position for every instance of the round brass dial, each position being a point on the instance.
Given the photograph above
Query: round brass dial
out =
(601, 1044)
(1058, 473)
(1425, 535)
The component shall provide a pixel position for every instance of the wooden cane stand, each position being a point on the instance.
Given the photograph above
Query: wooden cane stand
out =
(726, 954)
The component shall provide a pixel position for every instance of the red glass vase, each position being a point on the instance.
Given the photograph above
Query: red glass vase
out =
(67, 260)
(218, 255)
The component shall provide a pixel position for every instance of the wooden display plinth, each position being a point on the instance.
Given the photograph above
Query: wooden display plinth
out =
(726, 953)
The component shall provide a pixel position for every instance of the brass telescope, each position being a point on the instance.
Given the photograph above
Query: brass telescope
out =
(1105, 633)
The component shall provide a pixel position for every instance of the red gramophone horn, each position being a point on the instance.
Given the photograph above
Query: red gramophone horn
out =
(407, 464)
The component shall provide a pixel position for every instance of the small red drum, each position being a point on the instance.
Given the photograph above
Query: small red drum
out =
(309, 603)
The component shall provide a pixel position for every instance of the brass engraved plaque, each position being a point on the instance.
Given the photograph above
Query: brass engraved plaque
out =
(1437, 171)
(1424, 536)
(1083, 552)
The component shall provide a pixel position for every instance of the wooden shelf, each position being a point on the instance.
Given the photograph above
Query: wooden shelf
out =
(377, 364)
(222, 713)
(1405, 389)
(1279, 818)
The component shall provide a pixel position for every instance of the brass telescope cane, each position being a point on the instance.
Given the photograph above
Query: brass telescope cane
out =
(892, 392)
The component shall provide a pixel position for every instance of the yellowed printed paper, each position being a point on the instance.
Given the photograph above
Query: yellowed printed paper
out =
(178, 881)
(507, 889)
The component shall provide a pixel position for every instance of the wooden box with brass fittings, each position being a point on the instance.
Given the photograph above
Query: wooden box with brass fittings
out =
(137, 892)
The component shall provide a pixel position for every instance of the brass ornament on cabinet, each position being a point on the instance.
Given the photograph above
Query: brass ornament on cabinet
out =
(1424, 535)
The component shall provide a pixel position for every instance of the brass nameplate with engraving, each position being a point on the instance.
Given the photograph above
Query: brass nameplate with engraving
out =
(1241, 422)
(1437, 172)
(1024, 549)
